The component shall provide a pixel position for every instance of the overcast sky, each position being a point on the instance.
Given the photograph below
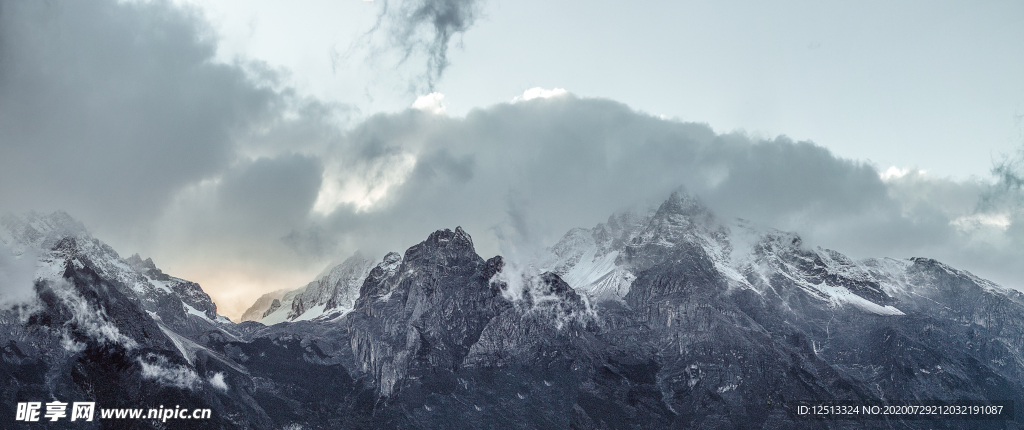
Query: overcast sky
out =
(246, 144)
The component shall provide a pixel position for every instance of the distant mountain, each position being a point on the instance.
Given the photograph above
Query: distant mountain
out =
(671, 318)
(329, 296)
(262, 304)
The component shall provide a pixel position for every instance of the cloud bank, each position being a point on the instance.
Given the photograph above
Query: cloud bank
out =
(529, 171)
(118, 113)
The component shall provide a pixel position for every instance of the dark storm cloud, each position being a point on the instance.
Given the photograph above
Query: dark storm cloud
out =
(112, 107)
(112, 110)
(423, 28)
(271, 191)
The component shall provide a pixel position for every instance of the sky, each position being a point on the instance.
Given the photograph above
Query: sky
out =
(245, 145)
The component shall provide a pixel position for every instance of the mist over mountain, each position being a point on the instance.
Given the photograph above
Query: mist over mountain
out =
(225, 172)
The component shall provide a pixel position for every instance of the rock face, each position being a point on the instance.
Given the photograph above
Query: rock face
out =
(666, 319)
(423, 315)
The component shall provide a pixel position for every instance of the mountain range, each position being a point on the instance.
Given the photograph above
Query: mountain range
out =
(667, 318)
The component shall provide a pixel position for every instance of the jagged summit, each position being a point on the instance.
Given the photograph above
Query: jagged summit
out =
(146, 267)
(447, 239)
(444, 247)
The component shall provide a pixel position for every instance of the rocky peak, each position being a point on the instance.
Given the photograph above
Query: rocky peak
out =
(138, 263)
(275, 305)
(447, 239)
(374, 285)
(391, 259)
(445, 248)
(423, 312)
(680, 211)
(679, 202)
(553, 293)
(146, 267)
(259, 308)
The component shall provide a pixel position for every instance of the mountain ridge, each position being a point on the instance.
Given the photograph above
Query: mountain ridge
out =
(665, 319)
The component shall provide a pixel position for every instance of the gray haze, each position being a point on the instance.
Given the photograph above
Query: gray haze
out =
(17, 275)
(118, 114)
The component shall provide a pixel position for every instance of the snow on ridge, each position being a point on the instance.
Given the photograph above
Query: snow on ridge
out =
(840, 295)
(193, 311)
(312, 313)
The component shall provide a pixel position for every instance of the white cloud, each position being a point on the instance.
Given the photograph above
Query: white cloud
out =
(218, 382)
(539, 93)
(88, 318)
(157, 367)
(430, 103)
(982, 220)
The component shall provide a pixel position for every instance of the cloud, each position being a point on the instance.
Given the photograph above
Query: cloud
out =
(159, 368)
(519, 175)
(88, 318)
(430, 103)
(1009, 188)
(538, 92)
(118, 113)
(424, 28)
(270, 191)
(114, 106)
(217, 381)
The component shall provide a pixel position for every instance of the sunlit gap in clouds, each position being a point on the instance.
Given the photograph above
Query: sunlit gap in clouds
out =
(364, 188)
(364, 185)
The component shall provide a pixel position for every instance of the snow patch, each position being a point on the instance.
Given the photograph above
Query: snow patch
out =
(195, 312)
(313, 312)
(840, 295)
(599, 276)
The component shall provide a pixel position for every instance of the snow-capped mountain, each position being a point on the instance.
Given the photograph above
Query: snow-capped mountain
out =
(101, 328)
(57, 239)
(671, 318)
(602, 262)
(263, 304)
(331, 295)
